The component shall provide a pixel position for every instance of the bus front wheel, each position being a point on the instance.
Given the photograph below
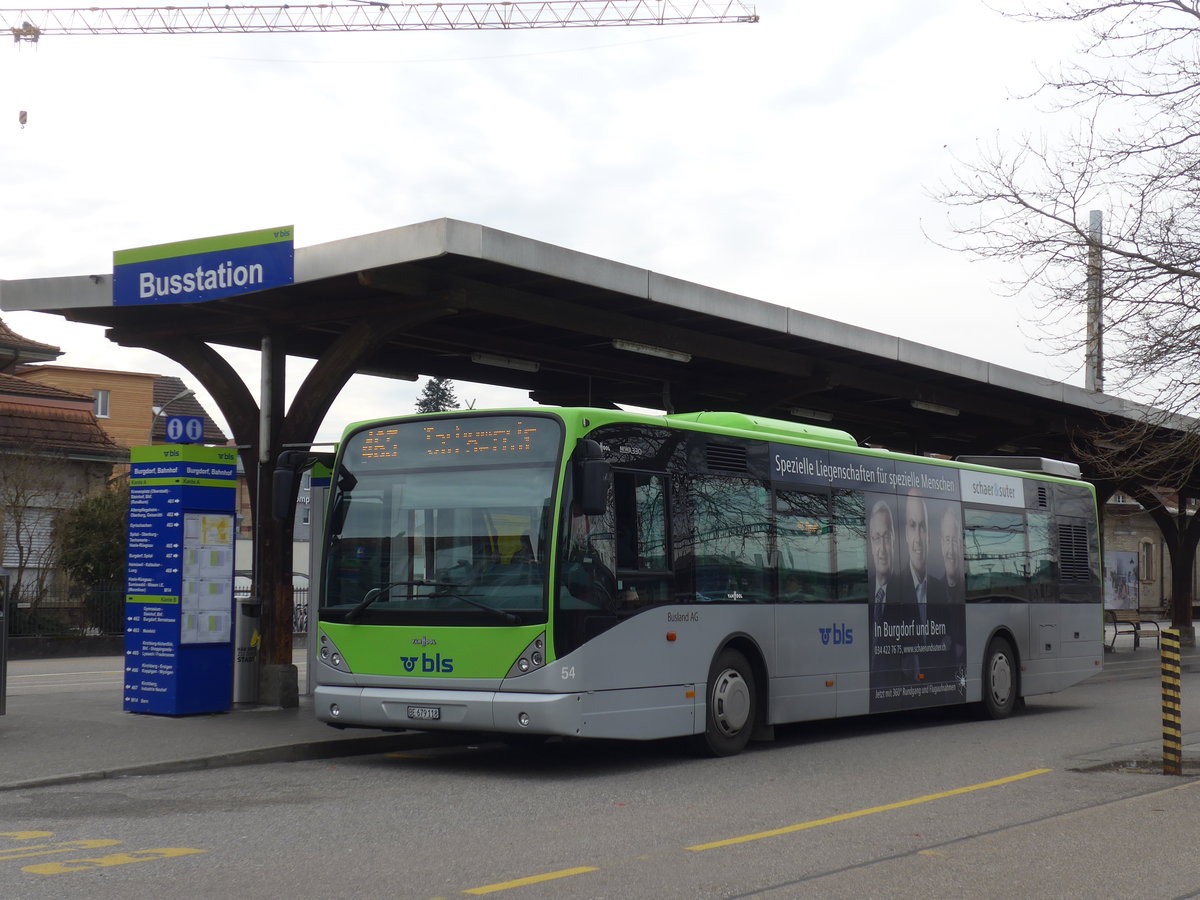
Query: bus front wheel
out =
(999, 679)
(731, 708)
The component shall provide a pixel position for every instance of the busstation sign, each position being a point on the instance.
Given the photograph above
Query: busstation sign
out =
(204, 268)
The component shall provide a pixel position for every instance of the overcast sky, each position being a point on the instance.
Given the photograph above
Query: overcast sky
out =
(790, 160)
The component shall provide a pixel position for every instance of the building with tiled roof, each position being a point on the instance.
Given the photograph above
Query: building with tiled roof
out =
(129, 405)
(53, 453)
(16, 350)
(42, 419)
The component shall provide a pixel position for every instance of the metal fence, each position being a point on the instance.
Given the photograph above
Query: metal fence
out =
(74, 611)
(89, 612)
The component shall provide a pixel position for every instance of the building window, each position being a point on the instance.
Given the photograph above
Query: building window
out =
(101, 398)
(1147, 561)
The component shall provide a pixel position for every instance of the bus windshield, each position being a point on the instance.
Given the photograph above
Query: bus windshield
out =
(443, 521)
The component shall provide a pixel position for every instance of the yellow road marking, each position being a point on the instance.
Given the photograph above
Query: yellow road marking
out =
(112, 859)
(842, 817)
(532, 879)
(50, 849)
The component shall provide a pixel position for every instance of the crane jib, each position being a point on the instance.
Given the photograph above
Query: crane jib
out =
(30, 25)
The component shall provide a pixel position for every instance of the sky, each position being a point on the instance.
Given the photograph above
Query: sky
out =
(792, 160)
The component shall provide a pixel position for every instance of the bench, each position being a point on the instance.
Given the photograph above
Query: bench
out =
(1130, 621)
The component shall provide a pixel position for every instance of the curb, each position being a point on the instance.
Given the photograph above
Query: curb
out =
(332, 749)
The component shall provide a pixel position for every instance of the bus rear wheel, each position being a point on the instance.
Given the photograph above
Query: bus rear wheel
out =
(999, 679)
(731, 707)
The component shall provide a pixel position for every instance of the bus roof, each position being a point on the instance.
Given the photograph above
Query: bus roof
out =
(762, 427)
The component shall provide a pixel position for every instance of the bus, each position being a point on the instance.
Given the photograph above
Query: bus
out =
(596, 573)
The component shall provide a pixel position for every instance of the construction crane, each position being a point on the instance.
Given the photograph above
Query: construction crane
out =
(30, 25)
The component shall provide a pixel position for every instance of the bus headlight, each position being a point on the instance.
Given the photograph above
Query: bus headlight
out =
(532, 658)
(329, 654)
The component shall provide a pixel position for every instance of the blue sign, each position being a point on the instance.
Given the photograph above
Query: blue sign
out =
(185, 430)
(179, 581)
(204, 269)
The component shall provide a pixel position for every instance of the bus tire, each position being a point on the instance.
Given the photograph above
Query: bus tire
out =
(1000, 679)
(731, 706)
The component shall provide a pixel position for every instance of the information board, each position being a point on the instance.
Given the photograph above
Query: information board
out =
(179, 582)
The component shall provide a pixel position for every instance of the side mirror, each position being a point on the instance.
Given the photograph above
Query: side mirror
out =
(283, 491)
(593, 479)
(283, 482)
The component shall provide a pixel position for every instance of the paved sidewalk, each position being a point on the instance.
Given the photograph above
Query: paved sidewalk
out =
(62, 736)
(59, 736)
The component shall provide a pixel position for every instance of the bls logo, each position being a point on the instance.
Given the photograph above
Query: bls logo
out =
(429, 664)
(840, 634)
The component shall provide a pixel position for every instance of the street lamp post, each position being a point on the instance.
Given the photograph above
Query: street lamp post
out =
(186, 392)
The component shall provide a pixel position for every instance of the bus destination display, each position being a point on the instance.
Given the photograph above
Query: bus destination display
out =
(480, 439)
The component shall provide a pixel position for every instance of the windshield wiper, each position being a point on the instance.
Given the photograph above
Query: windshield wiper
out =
(376, 592)
(442, 589)
(511, 618)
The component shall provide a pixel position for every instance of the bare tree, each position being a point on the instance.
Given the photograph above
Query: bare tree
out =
(1133, 153)
(33, 490)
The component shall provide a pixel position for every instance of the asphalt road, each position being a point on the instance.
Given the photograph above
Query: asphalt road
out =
(1056, 802)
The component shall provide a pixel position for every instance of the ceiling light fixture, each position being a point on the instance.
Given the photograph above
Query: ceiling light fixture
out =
(505, 362)
(934, 407)
(817, 415)
(651, 350)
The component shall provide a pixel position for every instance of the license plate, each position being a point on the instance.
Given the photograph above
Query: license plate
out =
(424, 712)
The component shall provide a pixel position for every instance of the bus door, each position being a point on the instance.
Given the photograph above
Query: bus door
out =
(642, 518)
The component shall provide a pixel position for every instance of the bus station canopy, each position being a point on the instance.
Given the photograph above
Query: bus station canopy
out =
(467, 302)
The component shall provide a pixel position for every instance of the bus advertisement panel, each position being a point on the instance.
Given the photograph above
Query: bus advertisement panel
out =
(917, 623)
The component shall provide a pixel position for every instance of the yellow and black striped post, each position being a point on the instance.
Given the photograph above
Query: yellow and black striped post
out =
(1172, 721)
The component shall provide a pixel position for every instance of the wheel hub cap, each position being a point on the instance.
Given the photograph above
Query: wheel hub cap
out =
(731, 702)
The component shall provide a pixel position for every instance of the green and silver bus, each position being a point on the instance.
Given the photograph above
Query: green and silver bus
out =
(601, 574)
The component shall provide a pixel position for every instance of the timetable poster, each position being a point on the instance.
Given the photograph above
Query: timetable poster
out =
(207, 603)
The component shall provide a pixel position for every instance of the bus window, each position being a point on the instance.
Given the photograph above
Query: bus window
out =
(997, 560)
(804, 548)
(850, 539)
(362, 529)
(1042, 581)
(731, 523)
(641, 507)
(589, 560)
